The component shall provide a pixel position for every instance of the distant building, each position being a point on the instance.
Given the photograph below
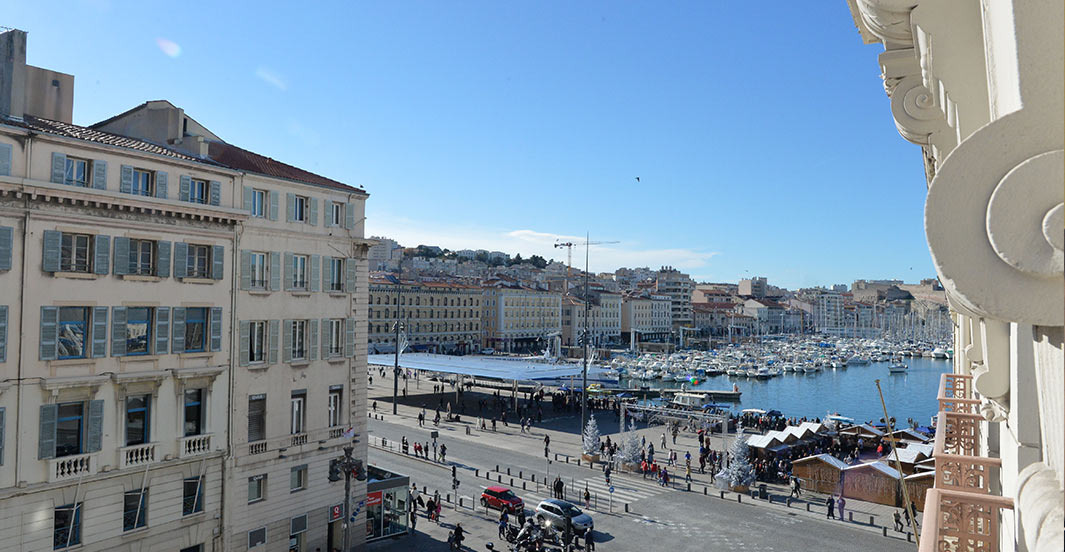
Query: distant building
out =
(753, 287)
(828, 313)
(518, 318)
(385, 255)
(438, 317)
(678, 287)
(603, 319)
(650, 316)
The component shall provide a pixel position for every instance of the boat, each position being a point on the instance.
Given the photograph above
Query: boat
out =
(939, 353)
(897, 368)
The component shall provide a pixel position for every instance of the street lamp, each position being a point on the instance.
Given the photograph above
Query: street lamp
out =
(350, 467)
(395, 370)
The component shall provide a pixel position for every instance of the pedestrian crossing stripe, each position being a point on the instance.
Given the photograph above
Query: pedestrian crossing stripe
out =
(625, 491)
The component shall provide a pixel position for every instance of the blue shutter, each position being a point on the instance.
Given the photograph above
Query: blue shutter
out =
(272, 196)
(59, 167)
(312, 341)
(99, 332)
(7, 234)
(50, 254)
(3, 335)
(216, 329)
(286, 341)
(125, 183)
(275, 271)
(215, 197)
(177, 343)
(49, 328)
(349, 216)
(185, 182)
(218, 260)
(272, 342)
(46, 434)
(118, 331)
(316, 276)
(102, 252)
(161, 184)
(245, 343)
(327, 337)
(5, 159)
(3, 426)
(290, 204)
(121, 256)
(99, 174)
(350, 275)
(290, 273)
(94, 430)
(162, 330)
(181, 253)
(248, 198)
(162, 259)
(349, 337)
(327, 218)
(245, 269)
(312, 211)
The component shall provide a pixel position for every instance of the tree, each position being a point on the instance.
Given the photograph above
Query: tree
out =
(591, 436)
(538, 261)
(515, 260)
(630, 445)
(739, 472)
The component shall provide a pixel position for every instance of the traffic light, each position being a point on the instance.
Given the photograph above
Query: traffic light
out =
(454, 472)
(334, 470)
(358, 471)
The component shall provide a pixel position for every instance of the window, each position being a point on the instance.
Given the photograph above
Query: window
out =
(335, 402)
(139, 330)
(336, 214)
(198, 261)
(258, 270)
(297, 527)
(257, 537)
(256, 418)
(298, 478)
(74, 253)
(77, 172)
(336, 274)
(194, 422)
(299, 209)
(72, 332)
(195, 329)
(142, 183)
(134, 509)
(299, 417)
(199, 191)
(258, 202)
(299, 335)
(257, 342)
(299, 271)
(256, 488)
(192, 495)
(70, 429)
(66, 526)
(138, 416)
(141, 257)
(336, 337)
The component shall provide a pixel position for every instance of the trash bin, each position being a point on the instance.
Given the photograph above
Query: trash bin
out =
(762, 493)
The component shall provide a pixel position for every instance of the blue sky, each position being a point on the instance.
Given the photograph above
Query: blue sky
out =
(761, 135)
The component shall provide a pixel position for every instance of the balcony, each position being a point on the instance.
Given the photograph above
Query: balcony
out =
(71, 467)
(194, 445)
(136, 455)
(955, 520)
(257, 447)
(955, 394)
(299, 439)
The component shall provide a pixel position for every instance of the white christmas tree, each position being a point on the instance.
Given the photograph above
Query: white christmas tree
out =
(630, 445)
(739, 472)
(591, 436)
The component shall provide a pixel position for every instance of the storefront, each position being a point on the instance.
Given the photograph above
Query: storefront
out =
(387, 504)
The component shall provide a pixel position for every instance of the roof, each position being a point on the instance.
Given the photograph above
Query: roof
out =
(763, 441)
(530, 369)
(908, 455)
(249, 161)
(878, 466)
(826, 458)
(863, 428)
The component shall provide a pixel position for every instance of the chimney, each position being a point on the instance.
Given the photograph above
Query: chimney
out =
(12, 73)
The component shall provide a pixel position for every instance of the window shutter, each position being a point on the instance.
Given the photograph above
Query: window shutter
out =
(349, 216)
(162, 330)
(95, 427)
(125, 183)
(312, 345)
(290, 207)
(46, 434)
(245, 269)
(99, 332)
(316, 276)
(349, 275)
(185, 182)
(327, 337)
(59, 167)
(327, 273)
(102, 254)
(327, 214)
(245, 342)
(118, 331)
(5, 159)
(181, 253)
(161, 184)
(50, 255)
(286, 341)
(349, 337)
(290, 273)
(3, 425)
(99, 174)
(216, 193)
(218, 260)
(275, 329)
(216, 329)
(3, 337)
(312, 211)
(248, 199)
(272, 196)
(49, 327)
(121, 255)
(256, 418)
(7, 234)
(275, 271)
(177, 342)
(162, 261)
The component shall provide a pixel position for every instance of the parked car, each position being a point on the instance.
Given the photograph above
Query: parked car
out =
(502, 498)
(555, 512)
(488, 351)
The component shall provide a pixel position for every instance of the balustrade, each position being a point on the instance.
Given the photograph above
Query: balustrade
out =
(194, 445)
(71, 467)
(136, 455)
(956, 521)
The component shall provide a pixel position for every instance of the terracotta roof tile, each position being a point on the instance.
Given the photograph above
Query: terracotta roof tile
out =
(244, 160)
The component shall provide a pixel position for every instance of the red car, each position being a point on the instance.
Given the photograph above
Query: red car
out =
(501, 498)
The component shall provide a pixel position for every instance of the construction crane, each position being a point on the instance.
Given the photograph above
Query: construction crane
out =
(569, 256)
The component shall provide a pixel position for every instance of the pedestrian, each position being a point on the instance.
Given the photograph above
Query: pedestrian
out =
(371, 381)
(430, 508)
(913, 508)
(375, 406)
(434, 451)
(831, 505)
(589, 541)
(663, 441)
(898, 521)
(503, 520)
(643, 468)
(413, 520)
(841, 503)
(588, 497)
(436, 515)
(443, 453)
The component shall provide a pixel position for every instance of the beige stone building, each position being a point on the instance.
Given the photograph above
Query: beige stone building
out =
(648, 315)
(603, 319)
(678, 287)
(438, 317)
(168, 331)
(517, 318)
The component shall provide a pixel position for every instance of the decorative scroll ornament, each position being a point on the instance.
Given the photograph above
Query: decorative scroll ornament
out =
(889, 20)
(914, 110)
(990, 216)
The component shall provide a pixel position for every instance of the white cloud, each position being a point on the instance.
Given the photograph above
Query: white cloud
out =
(271, 78)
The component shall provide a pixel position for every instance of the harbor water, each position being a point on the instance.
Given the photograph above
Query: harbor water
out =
(847, 391)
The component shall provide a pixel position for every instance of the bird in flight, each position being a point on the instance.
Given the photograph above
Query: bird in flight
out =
(637, 179)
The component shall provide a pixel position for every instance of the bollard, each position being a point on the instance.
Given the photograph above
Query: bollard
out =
(704, 490)
(497, 467)
(739, 498)
(523, 486)
(689, 486)
(807, 506)
(885, 530)
(722, 494)
(850, 517)
(508, 470)
(909, 537)
(626, 507)
(871, 522)
(520, 476)
(447, 498)
(500, 477)
(476, 472)
(460, 502)
(511, 481)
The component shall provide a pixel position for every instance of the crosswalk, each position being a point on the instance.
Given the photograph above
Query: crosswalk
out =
(626, 490)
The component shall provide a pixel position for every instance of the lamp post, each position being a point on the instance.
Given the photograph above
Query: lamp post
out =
(350, 466)
(395, 369)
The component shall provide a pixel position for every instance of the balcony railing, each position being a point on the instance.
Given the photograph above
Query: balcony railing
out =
(955, 520)
(956, 394)
(958, 468)
(299, 439)
(957, 433)
(71, 467)
(257, 447)
(316, 437)
(136, 455)
(194, 445)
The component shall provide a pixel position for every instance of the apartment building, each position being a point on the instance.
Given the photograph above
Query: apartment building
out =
(163, 299)
(828, 313)
(753, 287)
(678, 287)
(438, 317)
(517, 318)
(602, 320)
(648, 315)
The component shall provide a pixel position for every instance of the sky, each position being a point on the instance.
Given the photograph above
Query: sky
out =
(728, 139)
